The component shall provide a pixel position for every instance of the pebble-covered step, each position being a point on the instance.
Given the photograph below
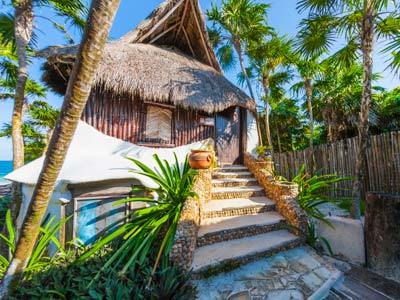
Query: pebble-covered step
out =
(230, 254)
(215, 230)
(237, 207)
(231, 182)
(221, 175)
(232, 168)
(237, 192)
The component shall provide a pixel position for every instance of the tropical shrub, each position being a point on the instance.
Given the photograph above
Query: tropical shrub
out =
(152, 227)
(314, 191)
(62, 279)
(39, 257)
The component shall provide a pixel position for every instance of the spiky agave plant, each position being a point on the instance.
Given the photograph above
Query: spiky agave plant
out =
(151, 228)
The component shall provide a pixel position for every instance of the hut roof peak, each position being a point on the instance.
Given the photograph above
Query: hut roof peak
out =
(178, 23)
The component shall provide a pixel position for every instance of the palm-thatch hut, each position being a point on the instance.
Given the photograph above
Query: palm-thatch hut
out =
(160, 85)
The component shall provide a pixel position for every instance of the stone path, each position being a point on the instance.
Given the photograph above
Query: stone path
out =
(294, 274)
(239, 224)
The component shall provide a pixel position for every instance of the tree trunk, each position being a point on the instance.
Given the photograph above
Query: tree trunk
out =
(367, 48)
(309, 89)
(238, 49)
(266, 102)
(23, 26)
(278, 139)
(100, 19)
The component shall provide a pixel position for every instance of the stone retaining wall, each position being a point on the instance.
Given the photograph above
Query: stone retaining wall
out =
(186, 234)
(283, 194)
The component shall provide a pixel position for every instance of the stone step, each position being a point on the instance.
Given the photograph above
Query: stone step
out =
(237, 207)
(232, 182)
(215, 230)
(231, 254)
(237, 192)
(232, 168)
(222, 175)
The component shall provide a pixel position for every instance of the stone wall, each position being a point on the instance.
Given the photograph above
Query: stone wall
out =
(186, 234)
(282, 193)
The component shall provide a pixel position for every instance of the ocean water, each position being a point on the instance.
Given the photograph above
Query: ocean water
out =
(5, 168)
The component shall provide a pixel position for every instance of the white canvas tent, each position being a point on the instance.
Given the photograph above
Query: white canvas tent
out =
(94, 157)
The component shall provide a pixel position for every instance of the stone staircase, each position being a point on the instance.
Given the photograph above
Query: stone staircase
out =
(239, 224)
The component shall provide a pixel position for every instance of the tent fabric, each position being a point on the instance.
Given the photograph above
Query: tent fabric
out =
(94, 156)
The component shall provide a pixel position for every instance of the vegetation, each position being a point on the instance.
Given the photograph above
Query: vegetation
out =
(17, 44)
(36, 129)
(62, 279)
(129, 257)
(309, 96)
(313, 239)
(39, 257)
(146, 227)
(314, 190)
(235, 25)
(96, 34)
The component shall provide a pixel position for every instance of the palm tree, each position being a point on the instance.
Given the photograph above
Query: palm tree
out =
(336, 99)
(23, 24)
(234, 25)
(269, 60)
(37, 128)
(99, 23)
(308, 70)
(17, 39)
(288, 124)
(360, 23)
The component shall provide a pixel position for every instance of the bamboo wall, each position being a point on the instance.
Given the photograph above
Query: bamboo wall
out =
(124, 117)
(383, 162)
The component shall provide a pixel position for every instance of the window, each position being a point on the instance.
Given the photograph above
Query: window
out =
(158, 124)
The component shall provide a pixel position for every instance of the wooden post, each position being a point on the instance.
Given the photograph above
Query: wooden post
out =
(382, 234)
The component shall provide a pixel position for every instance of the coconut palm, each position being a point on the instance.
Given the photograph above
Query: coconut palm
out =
(336, 99)
(99, 23)
(18, 30)
(269, 61)
(37, 128)
(288, 124)
(234, 25)
(308, 70)
(17, 41)
(360, 23)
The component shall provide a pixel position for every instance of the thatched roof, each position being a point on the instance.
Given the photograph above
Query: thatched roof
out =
(167, 58)
(179, 23)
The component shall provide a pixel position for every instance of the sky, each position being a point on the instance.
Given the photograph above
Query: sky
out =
(282, 16)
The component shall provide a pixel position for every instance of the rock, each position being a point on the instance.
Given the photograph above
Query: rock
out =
(298, 267)
(279, 261)
(322, 273)
(312, 281)
(244, 295)
(285, 295)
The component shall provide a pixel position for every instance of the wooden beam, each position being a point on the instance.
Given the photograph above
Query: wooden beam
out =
(183, 19)
(161, 21)
(201, 33)
(164, 105)
(188, 41)
(163, 33)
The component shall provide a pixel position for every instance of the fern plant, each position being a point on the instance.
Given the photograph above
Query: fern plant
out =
(152, 227)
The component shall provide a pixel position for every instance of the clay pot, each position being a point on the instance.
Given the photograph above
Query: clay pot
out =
(200, 159)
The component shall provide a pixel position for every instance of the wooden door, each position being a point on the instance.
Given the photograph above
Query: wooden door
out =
(228, 136)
